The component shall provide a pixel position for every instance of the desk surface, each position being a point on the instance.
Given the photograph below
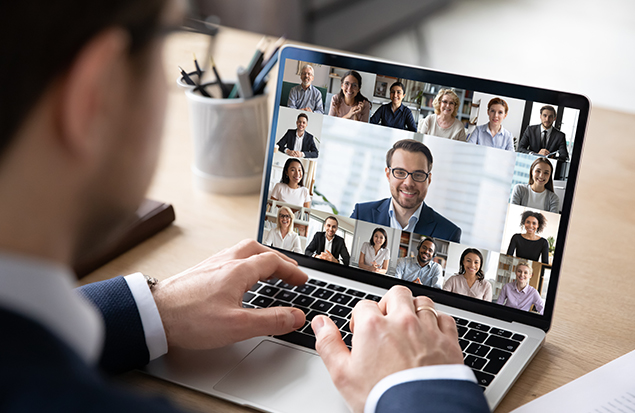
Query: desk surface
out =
(592, 324)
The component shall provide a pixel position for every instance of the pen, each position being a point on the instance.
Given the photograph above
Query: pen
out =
(260, 82)
(198, 68)
(187, 77)
(223, 87)
(244, 84)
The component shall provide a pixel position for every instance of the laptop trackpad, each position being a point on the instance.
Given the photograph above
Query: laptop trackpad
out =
(276, 377)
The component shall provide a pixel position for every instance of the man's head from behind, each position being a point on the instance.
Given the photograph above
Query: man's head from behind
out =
(409, 172)
(81, 117)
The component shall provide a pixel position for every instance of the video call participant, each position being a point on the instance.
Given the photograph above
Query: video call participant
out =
(470, 280)
(544, 139)
(530, 245)
(283, 235)
(409, 174)
(519, 294)
(443, 122)
(539, 192)
(298, 142)
(421, 269)
(305, 96)
(394, 114)
(327, 245)
(492, 133)
(374, 255)
(291, 189)
(68, 154)
(349, 103)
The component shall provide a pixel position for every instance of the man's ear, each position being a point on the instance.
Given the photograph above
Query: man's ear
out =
(88, 89)
(387, 170)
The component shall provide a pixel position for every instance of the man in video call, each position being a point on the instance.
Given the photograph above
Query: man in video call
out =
(79, 142)
(544, 139)
(421, 269)
(409, 174)
(305, 96)
(327, 245)
(298, 142)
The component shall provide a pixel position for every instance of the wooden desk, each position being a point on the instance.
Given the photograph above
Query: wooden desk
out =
(592, 324)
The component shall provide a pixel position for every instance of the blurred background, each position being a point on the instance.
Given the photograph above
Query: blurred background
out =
(581, 46)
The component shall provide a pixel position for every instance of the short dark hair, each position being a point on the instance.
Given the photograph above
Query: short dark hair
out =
(542, 221)
(549, 107)
(333, 218)
(285, 177)
(303, 115)
(549, 184)
(427, 239)
(383, 231)
(409, 145)
(398, 83)
(56, 33)
(479, 274)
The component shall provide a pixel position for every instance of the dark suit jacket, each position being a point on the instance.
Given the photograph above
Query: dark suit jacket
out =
(308, 143)
(316, 246)
(40, 373)
(430, 222)
(530, 142)
(438, 396)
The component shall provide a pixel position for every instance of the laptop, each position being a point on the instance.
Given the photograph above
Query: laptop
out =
(344, 191)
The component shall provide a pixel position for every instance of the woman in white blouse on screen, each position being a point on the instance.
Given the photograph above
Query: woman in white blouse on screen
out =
(374, 255)
(291, 189)
(283, 235)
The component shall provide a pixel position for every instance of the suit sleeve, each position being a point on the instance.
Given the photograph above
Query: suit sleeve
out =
(125, 345)
(562, 149)
(346, 258)
(355, 214)
(312, 247)
(456, 236)
(282, 143)
(312, 151)
(439, 396)
(523, 145)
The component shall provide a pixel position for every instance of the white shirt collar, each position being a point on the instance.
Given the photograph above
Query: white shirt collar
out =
(412, 221)
(43, 291)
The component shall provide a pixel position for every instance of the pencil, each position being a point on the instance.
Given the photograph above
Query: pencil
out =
(223, 87)
(198, 68)
(187, 77)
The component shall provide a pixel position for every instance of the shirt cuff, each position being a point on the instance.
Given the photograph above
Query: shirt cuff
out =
(439, 372)
(150, 318)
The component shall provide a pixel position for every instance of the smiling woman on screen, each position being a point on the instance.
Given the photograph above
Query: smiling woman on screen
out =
(539, 192)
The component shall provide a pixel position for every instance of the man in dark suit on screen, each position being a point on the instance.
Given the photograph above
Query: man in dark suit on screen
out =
(78, 145)
(409, 174)
(327, 245)
(544, 139)
(298, 142)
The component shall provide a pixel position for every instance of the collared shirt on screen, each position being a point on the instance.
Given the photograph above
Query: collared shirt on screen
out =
(412, 221)
(523, 299)
(409, 269)
(400, 119)
(482, 136)
(311, 98)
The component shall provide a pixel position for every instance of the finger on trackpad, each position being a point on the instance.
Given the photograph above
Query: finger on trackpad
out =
(277, 377)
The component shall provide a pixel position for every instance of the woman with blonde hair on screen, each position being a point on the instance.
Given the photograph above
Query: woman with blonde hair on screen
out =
(283, 235)
(443, 122)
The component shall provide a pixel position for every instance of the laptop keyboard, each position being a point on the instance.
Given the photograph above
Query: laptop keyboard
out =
(486, 349)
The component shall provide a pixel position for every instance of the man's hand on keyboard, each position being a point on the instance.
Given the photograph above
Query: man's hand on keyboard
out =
(388, 337)
(201, 308)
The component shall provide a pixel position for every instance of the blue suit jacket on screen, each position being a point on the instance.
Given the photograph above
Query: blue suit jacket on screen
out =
(430, 223)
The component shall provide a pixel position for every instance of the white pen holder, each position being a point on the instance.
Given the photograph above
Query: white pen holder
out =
(229, 137)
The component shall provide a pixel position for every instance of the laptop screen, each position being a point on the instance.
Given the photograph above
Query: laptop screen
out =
(460, 188)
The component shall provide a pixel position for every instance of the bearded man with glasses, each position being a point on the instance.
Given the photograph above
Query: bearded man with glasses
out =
(409, 174)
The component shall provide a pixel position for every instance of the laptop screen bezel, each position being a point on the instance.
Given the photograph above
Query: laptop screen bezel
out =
(527, 93)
